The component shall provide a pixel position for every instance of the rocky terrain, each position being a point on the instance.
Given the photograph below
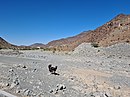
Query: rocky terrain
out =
(115, 31)
(4, 44)
(85, 72)
(97, 65)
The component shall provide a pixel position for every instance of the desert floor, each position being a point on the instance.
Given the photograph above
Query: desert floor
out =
(26, 74)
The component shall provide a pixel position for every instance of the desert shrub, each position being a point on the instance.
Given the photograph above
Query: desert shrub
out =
(127, 41)
(95, 45)
(34, 48)
(46, 49)
(98, 51)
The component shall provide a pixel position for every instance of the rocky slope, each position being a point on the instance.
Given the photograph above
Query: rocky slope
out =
(115, 31)
(5, 44)
(117, 50)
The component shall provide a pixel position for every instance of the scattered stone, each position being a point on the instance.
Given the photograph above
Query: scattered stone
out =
(17, 91)
(51, 91)
(98, 94)
(24, 66)
(7, 84)
(2, 85)
(16, 81)
(12, 85)
(34, 70)
(54, 91)
(11, 70)
(61, 86)
(117, 87)
(18, 65)
(72, 78)
(120, 57)
(107, 95)
(28, 92)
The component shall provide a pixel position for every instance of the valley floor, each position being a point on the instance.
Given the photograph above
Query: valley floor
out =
(27, 74)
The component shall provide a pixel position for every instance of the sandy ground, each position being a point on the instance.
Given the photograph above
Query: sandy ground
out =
(27, 75)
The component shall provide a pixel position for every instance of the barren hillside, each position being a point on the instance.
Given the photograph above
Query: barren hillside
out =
(115, 31)
(5, 44)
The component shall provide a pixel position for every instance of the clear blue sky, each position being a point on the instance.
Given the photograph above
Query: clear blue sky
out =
(23, 22)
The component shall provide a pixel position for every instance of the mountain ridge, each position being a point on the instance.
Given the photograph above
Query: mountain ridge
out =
(112, 32)
(116, 30)
(35, 45)
(5, 44)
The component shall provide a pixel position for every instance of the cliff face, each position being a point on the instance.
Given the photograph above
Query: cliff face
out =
(115, 31)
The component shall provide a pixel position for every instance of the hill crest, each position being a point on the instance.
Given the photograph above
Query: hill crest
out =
(115, 31)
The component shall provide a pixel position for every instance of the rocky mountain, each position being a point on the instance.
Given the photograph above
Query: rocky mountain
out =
(67, 43)
(5, 44)
(115, 31)
(35, 45)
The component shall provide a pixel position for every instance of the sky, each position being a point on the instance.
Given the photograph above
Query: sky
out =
(24, 22)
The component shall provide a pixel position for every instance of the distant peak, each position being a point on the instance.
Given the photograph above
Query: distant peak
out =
(121, 15)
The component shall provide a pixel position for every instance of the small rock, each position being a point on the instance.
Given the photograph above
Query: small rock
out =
(72, 78)
(12, 85)
(34, 70)
(16, 81)
(107, 94)
(120, 57)
(54, 91)
(28, 92)
(61, 86)
(19, 65)
(51, 91)
(24, 66)
(7, 84)
(17, 91)
(11, 70)
(97, 94)
(2, 84)
(57, 90)
(117, 87)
